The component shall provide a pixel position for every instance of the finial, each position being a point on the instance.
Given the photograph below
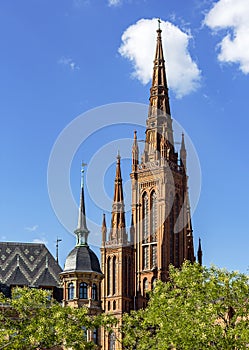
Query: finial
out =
(159, 23)
(83, 165)
(118, 155)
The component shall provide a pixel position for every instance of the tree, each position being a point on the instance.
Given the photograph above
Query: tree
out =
(198, 308)
(31, 319)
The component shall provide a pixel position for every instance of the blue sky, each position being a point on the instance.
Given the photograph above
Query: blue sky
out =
(60, 59)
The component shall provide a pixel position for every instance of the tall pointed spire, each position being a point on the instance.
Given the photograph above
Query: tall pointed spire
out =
(82, 230)
(159, 110)
(118, 232)
(159, 98)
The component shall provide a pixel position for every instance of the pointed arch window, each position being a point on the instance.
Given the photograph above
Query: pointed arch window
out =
(177, 206)
(171, 230)
(108, 276)
(83, 290)
(114, 275)
(70, 291)
(145, 286)
(146, 257)
(94, 291)
(154, 255)
(145, 207)
(153, 216)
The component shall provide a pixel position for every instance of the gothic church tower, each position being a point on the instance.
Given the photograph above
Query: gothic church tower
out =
(160, 205)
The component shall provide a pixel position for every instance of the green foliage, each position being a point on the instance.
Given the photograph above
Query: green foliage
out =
(31, 319)
(198, 308)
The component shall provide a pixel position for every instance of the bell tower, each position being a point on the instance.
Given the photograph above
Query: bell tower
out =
(160, 205)
(117, 259)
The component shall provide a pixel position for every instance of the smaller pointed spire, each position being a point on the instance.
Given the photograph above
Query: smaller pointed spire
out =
(104, 230)
(135, 152)
(132, 230)
(199, 253)
(118, 232)
(82, 230)
(183, 153)
(190, 244)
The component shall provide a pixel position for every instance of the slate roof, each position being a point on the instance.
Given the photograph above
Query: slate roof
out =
(82, 259)
(29, 264)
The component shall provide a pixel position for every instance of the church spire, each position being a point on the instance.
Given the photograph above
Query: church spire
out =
(159, 110)
(159, 98)
(82, 230)
(118, 215)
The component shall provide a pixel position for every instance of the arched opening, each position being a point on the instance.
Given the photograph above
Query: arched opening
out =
(94, 292)
(70, 291)
(153, 216)
(83, 288)
(145, 287)
(108, 276)
(145, 209)
(114, 275)
(171, 230)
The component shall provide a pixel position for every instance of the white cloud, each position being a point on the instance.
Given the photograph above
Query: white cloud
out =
(234, 17)
(68, 62)
(138, 46)
(32, 228)
(114, 2)
(40, 240)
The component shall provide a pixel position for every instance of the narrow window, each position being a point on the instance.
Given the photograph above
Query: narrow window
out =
(146, 257)
(95, 336)
(145, 287)
(114, 275)
(171, 231)
(153, 282)
(145, 218)
(176, 230)
(83, 290)
(114, 305)
(153, 216)
(70, 291)
(94, 292)
(108, 276)
(154, 255)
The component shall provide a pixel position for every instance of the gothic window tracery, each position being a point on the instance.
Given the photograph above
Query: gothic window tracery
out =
(171, 230)
(114, 275)
(153, 216)
(108, 276)
(145, 217)
(145, 257)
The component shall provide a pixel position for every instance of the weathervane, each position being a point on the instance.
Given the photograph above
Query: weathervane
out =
(83, 165)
